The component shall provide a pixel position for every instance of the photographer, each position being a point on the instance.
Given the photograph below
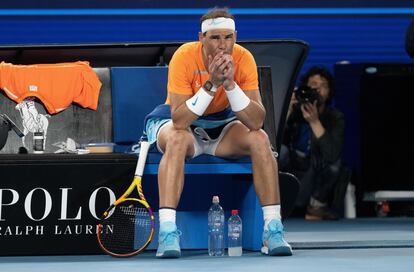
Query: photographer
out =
(312, 143)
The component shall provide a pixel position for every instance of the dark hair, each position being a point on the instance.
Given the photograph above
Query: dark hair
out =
(215, 13)
(322, 72)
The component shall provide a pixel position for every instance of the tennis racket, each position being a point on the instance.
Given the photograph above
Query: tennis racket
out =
(127, 226)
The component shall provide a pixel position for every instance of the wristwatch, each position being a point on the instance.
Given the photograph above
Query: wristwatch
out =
(209, 86)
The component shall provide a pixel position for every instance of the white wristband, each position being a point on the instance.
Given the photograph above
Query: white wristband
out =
(237, 98)
(199, 102)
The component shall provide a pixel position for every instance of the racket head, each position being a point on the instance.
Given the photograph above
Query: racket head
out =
(127, 229)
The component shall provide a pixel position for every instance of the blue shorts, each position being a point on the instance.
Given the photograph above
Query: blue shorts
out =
(204, 142)
(207, 130)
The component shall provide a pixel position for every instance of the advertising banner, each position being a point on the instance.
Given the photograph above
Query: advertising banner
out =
(51, 204)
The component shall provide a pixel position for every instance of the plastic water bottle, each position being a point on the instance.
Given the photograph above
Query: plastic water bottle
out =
(235, 231)
(216, 229)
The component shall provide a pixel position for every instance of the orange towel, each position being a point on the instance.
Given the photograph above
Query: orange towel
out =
(56, 85)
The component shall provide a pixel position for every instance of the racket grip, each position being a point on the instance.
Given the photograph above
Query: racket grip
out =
(142, 158)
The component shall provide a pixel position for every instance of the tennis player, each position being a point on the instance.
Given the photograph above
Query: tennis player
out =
(213, 107)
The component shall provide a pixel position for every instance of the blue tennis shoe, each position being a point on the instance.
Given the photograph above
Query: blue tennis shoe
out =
(169, 241)
(274, 243)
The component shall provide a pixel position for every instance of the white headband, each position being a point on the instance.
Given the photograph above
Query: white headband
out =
(217, 23)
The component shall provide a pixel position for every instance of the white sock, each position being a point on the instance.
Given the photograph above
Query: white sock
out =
(166, 214)
(269, 213)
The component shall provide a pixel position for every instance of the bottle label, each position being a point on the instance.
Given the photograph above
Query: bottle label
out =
(234, 231)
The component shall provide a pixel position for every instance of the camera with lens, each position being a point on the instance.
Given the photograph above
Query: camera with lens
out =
(306, 94)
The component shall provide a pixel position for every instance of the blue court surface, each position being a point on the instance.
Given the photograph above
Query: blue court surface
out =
(375, 244)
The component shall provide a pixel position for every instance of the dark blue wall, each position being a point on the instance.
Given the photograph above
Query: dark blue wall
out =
(25, 4)
(373, 34)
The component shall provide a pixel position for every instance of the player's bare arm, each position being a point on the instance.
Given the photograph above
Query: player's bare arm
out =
(254, 113)
(181, 115)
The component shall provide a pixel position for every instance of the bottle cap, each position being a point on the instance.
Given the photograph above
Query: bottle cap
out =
(233, 212)
(216, 199)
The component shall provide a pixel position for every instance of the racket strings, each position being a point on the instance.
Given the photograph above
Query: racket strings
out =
(127, 230)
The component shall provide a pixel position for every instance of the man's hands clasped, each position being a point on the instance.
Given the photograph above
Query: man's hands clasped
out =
(221, 70)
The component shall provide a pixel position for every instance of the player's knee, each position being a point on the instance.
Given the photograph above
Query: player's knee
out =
(259, 141)
(179, 140)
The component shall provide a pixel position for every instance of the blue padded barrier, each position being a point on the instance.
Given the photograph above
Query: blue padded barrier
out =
(204, 164)
(235, 191)
(135, 92)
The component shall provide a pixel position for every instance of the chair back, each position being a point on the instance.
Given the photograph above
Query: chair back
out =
(285, 59)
